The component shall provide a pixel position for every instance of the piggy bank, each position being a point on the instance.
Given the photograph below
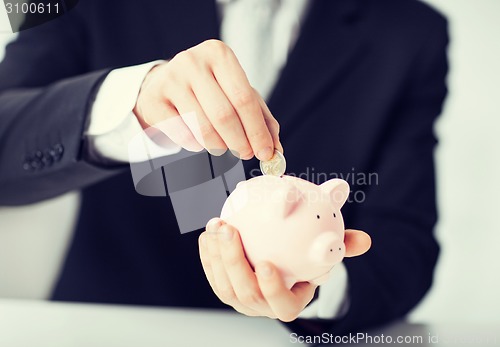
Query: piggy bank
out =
(292, 223)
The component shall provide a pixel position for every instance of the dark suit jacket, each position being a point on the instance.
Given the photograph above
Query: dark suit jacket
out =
(359, 94)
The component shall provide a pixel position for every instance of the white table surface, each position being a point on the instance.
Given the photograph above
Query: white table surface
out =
(32, 323)
(48, 324)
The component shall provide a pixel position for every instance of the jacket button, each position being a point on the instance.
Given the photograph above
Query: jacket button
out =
(47, 159)
(36, 164)
(56, 152)
(27, 165)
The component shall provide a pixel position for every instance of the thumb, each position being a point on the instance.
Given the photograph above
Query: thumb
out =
(356, 242)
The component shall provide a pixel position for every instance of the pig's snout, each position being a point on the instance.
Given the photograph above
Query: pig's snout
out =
(327, 249)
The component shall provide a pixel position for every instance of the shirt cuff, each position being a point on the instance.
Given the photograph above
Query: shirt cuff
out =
(333, 300)
(113, 126)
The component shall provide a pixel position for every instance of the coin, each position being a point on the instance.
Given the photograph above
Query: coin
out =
(274, 167)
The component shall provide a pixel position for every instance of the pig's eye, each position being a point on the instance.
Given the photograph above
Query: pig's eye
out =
(334, 215)
(317, 216)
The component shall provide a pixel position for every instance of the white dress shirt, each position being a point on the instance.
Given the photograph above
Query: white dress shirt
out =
(113, 124)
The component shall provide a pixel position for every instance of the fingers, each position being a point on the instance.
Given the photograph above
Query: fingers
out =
(222, 116)
(209, 89)
(234, 283)
(177, 130)
(231, 277)
(272, 125)
(193, 115)
(205, 260)
(356, 242)
(165, 117)
(238, 269)
(286, 304)
(245, 101)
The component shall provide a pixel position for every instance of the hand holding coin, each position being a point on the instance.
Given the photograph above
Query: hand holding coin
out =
(276, 166)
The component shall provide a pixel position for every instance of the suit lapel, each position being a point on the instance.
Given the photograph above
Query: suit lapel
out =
(326, 47)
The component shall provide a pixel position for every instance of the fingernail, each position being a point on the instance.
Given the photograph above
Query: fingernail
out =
(226, 234)
(247, 157)
(265, 154)
(213, 225)
(264, 270)
(280, 148)
(217, 152)
(235, 153)
(239, 156)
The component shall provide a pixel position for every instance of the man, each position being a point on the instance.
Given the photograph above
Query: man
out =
(356, 93)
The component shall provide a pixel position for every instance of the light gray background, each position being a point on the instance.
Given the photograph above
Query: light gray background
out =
(33, 238)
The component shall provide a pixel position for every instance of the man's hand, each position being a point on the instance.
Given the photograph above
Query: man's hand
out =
(263, 292)
(208, 102)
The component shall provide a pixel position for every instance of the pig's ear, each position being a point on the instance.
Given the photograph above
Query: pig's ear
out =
(288, 200)
(337, 189)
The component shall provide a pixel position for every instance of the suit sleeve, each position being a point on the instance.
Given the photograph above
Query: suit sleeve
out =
(45, 95)
(399, 211)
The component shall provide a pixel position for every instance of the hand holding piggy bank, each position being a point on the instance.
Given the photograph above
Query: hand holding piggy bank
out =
(292, 223)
